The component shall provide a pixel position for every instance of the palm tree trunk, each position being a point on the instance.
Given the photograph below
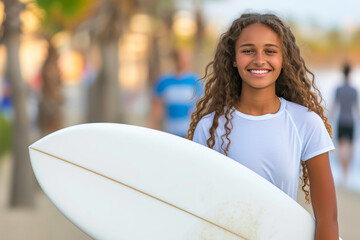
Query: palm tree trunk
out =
(23, 182)
(111, 90)
(104, 94)
(105, 102)
(50, 105)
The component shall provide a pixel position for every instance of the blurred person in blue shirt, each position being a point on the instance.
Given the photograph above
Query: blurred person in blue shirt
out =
(175, 95)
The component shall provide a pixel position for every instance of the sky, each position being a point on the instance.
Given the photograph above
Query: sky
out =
(326, 13)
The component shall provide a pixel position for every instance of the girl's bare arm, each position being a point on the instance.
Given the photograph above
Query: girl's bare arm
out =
(323, 197)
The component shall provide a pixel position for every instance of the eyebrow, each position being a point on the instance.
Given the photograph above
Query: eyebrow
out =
(250, 45)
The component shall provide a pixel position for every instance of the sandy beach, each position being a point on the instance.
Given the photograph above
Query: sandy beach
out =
(45, 222)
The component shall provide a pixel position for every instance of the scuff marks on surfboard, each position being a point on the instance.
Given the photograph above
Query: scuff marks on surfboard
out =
(242, 217)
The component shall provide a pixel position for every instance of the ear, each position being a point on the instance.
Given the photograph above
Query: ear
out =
(234, 64)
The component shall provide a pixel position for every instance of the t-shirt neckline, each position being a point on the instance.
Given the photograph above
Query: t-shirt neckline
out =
(265, 116)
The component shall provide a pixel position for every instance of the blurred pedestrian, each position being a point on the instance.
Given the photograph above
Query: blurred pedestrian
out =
(346, 100)
(6, 103)
(175, 95)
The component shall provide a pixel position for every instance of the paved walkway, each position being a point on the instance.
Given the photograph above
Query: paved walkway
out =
(43, 222)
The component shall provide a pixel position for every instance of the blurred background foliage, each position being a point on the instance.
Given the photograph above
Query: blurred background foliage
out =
(5, 136)
(60, 14)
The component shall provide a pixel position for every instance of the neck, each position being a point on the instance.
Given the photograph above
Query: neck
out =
(180, 70)
(179, 73)
(257, 104)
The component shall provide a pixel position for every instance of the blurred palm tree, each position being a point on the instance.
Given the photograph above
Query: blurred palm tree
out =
(58, 15)
(161, 12)
(105, 26)
(23, 180)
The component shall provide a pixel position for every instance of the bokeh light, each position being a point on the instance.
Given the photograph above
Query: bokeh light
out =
(184, 24)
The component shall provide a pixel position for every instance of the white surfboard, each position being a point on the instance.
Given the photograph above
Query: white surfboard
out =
(117, 181)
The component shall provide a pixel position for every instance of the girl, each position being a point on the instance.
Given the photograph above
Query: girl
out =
(261, 109)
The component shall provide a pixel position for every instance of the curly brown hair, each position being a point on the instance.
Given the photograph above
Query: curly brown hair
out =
(296, 83)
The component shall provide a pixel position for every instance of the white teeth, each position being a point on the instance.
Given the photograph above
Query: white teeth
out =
(259, 71)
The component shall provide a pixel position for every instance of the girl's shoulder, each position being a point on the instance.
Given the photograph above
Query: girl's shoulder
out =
(302, 116)
(298, 110)
(295, 107)
(206, 120)
(209, 118)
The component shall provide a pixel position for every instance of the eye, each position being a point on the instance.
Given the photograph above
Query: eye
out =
(271, 51)
(247, 51)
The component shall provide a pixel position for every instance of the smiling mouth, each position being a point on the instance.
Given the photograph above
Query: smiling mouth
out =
(262, 71)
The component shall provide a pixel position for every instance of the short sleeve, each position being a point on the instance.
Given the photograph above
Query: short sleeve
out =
(201, 134)
(198, 89)
(316, 138)
(159, 87)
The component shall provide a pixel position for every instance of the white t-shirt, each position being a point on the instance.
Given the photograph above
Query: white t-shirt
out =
(271, 145)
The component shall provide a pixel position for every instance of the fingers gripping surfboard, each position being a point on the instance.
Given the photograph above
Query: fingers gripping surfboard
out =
(118, 181)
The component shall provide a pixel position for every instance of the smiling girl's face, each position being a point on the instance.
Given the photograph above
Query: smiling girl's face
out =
(258, 57)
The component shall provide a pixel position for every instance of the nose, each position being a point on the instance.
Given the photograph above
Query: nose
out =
(259, 59)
